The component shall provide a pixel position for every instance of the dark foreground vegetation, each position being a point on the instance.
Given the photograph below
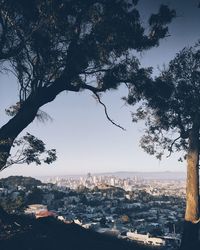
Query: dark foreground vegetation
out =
(24, 233)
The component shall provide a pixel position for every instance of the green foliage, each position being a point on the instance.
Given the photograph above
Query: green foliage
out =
(89, 37)
(70, 45)
(58, 195)
(15, 181)
(31, 149)
(172, 105)
(36, 196)
(11, 204)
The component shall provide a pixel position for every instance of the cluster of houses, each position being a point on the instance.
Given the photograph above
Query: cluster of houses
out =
(138, 215)
(39, 210)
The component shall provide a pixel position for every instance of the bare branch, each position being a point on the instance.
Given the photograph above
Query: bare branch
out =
(106, 113)
(94, 71)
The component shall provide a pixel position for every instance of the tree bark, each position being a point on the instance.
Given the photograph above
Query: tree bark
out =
(191, 224)
(192, 186)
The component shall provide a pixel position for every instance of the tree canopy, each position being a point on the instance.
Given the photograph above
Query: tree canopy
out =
(171, 112)
(70, 45)
(171, 104)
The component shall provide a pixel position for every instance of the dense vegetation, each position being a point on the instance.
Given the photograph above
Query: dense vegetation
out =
(14, 181)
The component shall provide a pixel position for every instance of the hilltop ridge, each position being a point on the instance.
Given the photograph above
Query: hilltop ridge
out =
(161, 175)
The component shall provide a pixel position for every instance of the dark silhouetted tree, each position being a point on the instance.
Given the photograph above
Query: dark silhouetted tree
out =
(70, 45)
(171, 111)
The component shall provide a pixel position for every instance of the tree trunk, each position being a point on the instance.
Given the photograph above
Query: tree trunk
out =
(13, 128)
(28, 112)
(191, 224)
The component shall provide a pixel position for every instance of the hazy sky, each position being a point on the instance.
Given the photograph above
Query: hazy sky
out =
(85, 140)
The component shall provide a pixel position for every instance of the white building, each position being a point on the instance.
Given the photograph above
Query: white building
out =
(145, 239)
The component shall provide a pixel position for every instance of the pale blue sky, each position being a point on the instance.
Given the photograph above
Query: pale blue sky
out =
(85, 140)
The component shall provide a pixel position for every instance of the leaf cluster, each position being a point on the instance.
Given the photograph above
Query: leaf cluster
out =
(88, 39)
(171, 105)
(30, 149)
(70, 45)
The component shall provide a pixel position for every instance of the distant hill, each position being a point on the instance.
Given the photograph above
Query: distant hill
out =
(166, 175)
(14, 181)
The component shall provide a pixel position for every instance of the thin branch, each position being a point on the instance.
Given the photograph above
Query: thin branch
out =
(106, 113)
(4, 167)
(171, 146)
(95, 71)
(92, 88)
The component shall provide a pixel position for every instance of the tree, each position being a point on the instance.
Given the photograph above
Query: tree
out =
(36, 196)
(171, 112)
(70, 45)
(125, 218)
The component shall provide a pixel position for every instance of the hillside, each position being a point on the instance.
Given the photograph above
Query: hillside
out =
(162, 175)
(14, 181)
(19, 232)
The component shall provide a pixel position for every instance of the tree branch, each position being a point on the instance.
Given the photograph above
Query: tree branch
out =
(94, 71)
(106, 113)
(171, 146)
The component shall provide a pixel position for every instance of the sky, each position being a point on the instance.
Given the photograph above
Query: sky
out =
(84, 139)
